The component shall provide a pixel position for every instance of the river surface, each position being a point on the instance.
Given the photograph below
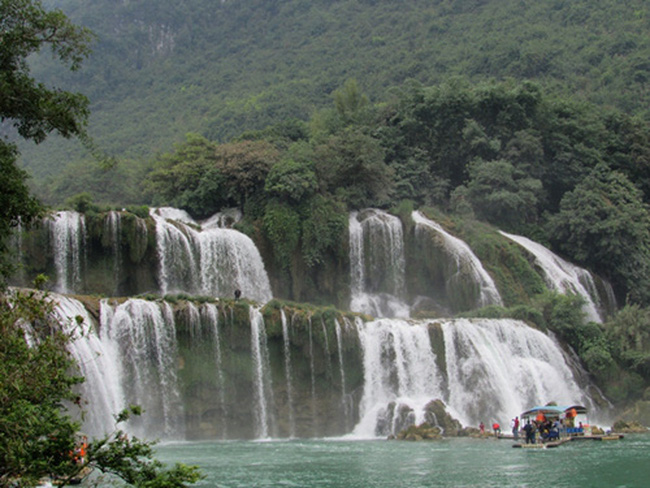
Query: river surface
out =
(344, 463)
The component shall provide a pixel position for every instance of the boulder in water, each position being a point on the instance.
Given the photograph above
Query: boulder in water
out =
(436, 414)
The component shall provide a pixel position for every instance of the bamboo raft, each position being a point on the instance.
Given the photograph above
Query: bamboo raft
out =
(564, 440)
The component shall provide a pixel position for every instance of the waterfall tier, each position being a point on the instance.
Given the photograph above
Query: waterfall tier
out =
(214, 261)
(377, 264)
(214, 371)
(565, 277)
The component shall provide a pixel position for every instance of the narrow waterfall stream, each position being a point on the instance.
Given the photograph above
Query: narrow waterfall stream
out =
(263, 385)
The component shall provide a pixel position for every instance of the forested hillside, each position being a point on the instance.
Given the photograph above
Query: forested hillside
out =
(163, 68)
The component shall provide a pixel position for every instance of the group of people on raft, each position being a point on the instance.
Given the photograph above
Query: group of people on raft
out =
(548, 429)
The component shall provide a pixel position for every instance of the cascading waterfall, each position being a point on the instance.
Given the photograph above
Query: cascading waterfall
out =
(563, 276)
(346, 404)
(498, 368)
(68, 235)
(262, 378)
(113, 230)
(466, 263)
(286, 340)
(213, 261)
(97, 363)
(210, 314)
(145, 335)
(377, 264)
(493, 370)
(399, 368)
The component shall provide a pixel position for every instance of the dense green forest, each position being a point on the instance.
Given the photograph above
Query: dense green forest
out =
(161, 69)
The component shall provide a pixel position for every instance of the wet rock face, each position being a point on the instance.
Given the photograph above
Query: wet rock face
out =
(436, 414)
(438, 424)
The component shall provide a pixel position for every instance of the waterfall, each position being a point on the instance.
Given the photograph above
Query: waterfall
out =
(492, 371)
(262, 375)
(97, 364)
(287, 373)
(498, 368)
(399, 368)
(312, 372)
(68, 236)
(563, 276)
(113, 232)
(223, 220)
(467, 265)
(213, 261)
(210, 314)
(346, 405)
(377, 264)
(145, 336)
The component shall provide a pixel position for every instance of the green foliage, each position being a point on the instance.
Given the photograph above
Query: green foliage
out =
(350, 165)
(33, 109)
(282, 226)
(501, 194)
(291, 180)
(17, 206)
(82, 202)
(604, 224)
(628, 333)
(324, 226)
(37, 433)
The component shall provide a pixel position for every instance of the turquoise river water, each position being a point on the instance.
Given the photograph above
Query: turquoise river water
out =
(340, 463)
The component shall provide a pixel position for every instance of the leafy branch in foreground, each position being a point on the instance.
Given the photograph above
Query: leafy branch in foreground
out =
(38, 437)
(131, 459)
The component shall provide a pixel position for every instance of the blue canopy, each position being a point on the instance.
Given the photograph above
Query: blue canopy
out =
(553, 410)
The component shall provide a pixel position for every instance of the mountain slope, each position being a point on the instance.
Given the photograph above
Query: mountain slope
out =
(164, 68)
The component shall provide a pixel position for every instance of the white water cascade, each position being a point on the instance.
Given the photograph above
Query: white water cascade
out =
(208, 261)
(400, 368)
(262, 379)
(377, 264)
(286, 340)
(467, 265)
(98, 364)
(492, 371)
(563, 276)
(113, 231)
(144, 335)
(68, 235)
(210, 315)
(498, 368)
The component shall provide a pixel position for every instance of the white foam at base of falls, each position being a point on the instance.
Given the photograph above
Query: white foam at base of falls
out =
(399, 366)
(562, 276)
